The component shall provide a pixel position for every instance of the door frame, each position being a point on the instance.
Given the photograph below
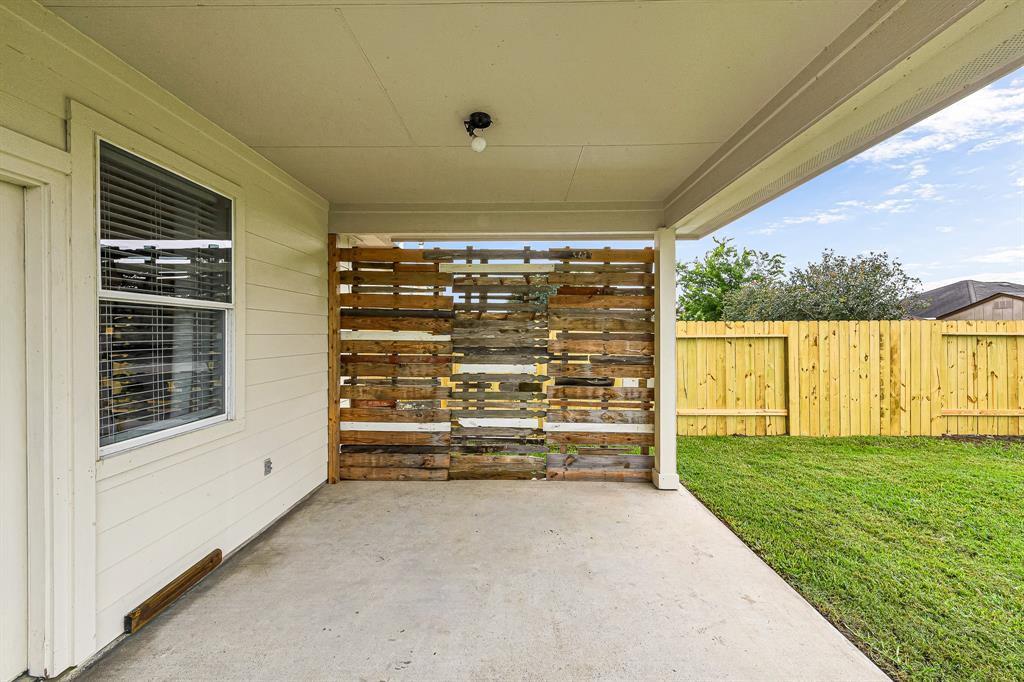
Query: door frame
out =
(61, 476)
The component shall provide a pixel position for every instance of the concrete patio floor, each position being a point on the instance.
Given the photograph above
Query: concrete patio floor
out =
(489, 580)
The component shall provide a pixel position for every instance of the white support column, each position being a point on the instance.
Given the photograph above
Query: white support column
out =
(665, 475)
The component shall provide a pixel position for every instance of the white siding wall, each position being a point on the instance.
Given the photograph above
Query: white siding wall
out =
(155, 517)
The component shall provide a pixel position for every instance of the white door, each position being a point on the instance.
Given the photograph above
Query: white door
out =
(13, 457)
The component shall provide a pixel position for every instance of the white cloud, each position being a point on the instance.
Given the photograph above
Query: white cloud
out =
(1019, 182)
(832, 215)
(766, 231)
(898, 189)
(1014, 276)
(918, 170)
(994, 142)
(1003, 254)
(988, 118)
(944, 229)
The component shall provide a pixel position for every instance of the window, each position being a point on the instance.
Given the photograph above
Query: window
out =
(165, 301)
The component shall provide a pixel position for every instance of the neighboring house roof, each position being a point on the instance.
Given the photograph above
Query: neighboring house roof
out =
(953, 297)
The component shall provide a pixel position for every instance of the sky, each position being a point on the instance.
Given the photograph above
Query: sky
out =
(945, 197)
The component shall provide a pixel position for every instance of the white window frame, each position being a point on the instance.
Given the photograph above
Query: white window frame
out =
(103, 294)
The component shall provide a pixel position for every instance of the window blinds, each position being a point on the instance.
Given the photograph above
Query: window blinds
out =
(160, 366)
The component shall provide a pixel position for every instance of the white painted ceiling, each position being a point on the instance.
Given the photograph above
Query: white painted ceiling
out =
(601, 101)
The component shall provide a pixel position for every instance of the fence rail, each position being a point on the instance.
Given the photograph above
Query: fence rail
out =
(904, 377)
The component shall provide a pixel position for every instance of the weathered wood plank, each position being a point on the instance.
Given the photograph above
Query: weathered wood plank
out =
(496, 378)
(401, 347)
(497, 395)
(606, 346)
(600, 393)
(333, 351)
(496, 432)
(602, 278)
(397, 359)
(386, 277)
(367, 414)
(436, 326)
(386, 369)
(608, 324)
(600, 301)
(600, 416)
(602, 255)
(392, 474)
(404, 460)
(610, 475)
(393, 438)
(406, 301)
(496, 467)
(588, 461)
(587, 438)
(592, 370)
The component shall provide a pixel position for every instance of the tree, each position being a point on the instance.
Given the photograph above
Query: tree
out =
(705, 282)
(870, 287)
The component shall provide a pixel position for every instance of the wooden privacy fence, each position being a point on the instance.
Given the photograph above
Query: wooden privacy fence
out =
(905, 377)
(484, 363)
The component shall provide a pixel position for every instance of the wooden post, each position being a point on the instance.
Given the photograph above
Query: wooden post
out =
(333, 360)
(665, 475)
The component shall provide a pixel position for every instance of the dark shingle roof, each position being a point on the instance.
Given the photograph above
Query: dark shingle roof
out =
(953, 297)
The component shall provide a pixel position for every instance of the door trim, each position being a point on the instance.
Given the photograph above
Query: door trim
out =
(61, 477)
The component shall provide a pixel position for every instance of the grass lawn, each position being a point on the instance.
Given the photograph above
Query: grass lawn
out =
(914, 547)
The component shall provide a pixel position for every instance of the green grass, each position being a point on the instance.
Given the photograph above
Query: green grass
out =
(914, 547)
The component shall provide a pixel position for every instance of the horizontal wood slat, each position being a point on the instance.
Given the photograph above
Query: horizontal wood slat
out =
(600, 302)
(408, 301)
(386, 369)
(392, 438)
(501, 467)
(355, 473)
(601, 417)
(358, 414)
(401, 460)
(377, 277)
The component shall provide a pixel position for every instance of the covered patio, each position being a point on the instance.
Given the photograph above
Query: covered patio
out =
(181, 186)
(491, 580)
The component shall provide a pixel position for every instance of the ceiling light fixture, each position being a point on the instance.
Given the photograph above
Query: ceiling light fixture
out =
(478, 120)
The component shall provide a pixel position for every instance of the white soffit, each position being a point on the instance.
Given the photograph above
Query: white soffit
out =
(612, 118)
(363, 101)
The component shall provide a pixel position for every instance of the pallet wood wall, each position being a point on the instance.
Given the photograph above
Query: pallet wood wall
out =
(601, 414)
(390, 354)
(463, 363)
(905, 377)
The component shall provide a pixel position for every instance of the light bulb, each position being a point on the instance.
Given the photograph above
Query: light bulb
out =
(478, 144)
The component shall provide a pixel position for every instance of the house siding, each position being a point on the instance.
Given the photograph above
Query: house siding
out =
(998, 308)
(155, 517)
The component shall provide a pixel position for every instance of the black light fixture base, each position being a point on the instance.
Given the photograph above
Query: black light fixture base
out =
(478, 120)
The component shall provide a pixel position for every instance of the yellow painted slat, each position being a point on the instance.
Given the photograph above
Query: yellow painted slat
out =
(873, 366)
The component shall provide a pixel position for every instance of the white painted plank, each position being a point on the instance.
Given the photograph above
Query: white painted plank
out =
(393, 336)
(600, 428)
(434, 427)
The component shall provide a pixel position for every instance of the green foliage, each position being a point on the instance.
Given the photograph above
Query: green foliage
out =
(869, 287)
(911, 546)
(704, 283)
